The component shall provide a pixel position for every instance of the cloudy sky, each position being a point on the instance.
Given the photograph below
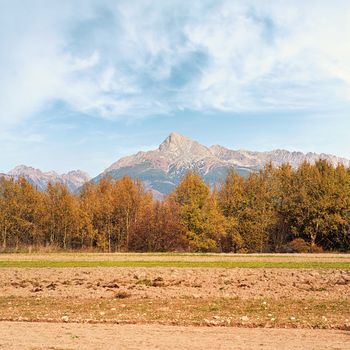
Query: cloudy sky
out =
(83, 83)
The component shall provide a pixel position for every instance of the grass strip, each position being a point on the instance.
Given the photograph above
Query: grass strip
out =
(176, 264)
(330, 255)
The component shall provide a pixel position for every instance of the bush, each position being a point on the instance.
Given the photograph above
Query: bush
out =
(298, 245)
(316, 249)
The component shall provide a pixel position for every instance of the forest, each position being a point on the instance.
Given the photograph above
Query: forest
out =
(279, 209)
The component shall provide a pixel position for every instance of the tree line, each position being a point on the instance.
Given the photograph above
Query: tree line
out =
(279, 209)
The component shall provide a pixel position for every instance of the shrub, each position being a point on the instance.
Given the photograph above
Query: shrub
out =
(316, 249)
(298, 245)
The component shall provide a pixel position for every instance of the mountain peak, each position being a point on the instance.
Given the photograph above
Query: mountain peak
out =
(174, 139)
(175, 136)
(183, 148)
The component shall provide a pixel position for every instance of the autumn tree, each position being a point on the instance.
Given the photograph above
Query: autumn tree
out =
(112, 207)
(130, 198)
(21, 210)
(158, 228)
(277, 208)
(7, 189)
(281, 190)
(30, 210)
(199, 213)
(319, 203)
(231, 201)
(88, 200)
(246, 204)
(62, 219)
(101, 213)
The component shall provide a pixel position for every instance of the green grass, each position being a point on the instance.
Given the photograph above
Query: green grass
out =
(188, 264)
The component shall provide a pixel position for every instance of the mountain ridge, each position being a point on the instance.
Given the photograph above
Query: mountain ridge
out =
(162, 169)
(73, 179)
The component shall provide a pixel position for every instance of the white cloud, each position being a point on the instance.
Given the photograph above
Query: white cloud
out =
(274, 56)
(134, 59)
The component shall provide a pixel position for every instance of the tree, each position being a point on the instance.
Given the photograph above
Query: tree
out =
(231, 202)
(281, 192)
(62, 222)
(158, 228)
(20, 212)
(112, 208)
(102, 214)
(88, 200)
(199, 213)
(7, 188)
(246, 203)
(129, 199)
(274, 209)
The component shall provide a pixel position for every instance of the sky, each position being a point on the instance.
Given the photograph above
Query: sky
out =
(85, 82)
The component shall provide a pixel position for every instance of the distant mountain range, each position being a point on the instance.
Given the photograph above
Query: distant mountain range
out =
(162, 169)
(73, 179)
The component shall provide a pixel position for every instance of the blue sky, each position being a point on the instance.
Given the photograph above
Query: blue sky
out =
(83, 83)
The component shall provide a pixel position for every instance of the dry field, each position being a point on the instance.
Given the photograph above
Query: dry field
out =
(58, 336)
(259, 300)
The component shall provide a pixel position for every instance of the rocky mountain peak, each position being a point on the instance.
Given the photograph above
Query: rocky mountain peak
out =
(176, 137)
(174, 141)
(178, 145)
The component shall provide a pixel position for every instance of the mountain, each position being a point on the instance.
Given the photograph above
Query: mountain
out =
(5, 176)
(73, 179)
(162, 169)
(277, 157)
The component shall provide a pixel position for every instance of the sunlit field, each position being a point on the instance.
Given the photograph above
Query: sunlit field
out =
(314, 261)
(300, 290)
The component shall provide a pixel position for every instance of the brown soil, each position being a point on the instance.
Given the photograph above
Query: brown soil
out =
(167, 283)
(289, 298)
(39, 336)
(133, 308)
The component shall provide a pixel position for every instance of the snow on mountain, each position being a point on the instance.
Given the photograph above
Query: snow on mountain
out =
(162, 169)
(73, 179)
